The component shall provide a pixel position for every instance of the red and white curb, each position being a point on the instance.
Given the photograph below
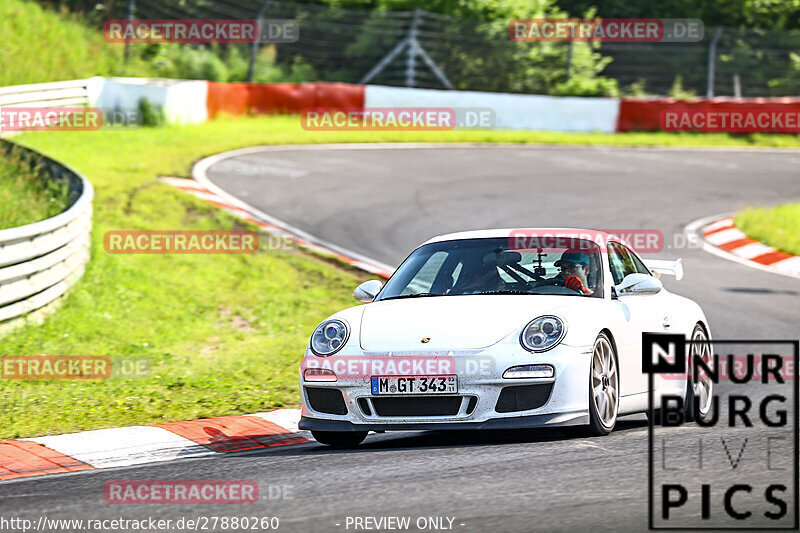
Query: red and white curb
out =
(722, 238)
(136, 445)
(285, 231)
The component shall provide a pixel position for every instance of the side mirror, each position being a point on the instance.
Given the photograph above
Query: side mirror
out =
(367, 291)
(638, 284)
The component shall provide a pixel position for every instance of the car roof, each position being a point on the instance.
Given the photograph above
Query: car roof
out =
(585, 233)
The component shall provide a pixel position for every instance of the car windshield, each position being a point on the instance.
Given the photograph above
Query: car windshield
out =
(495, 266)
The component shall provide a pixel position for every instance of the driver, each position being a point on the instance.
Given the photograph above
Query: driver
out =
(574, 265)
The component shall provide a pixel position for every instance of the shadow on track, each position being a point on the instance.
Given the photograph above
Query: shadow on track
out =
(462, 439)
(759, 290)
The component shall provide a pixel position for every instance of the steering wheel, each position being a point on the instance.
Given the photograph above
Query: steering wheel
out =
(555, 282)
(553, 289)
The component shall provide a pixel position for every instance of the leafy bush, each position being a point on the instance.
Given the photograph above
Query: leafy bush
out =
(150, 114)
(587, 87)
(636, 89)
(677, 90)
(217, 63)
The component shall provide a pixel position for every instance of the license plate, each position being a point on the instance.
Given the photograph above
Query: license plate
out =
(415, 385)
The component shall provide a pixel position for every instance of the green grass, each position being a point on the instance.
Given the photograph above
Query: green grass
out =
(24, 198)
(224, 334)
(40, 44)
(778, 227)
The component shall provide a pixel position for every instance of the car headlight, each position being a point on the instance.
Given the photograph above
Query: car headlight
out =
(329, 337)
(542, 333)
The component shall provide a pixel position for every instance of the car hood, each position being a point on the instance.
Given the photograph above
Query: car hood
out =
(451, 322)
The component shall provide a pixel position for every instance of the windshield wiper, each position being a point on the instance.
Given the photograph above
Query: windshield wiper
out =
(505, 292)
(417, 295)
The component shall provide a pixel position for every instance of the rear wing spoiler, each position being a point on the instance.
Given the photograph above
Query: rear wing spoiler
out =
(661, 266)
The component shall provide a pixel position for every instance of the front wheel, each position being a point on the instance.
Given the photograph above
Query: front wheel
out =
(340, 439)
(603, 387)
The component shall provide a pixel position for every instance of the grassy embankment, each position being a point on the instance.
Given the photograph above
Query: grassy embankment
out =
(778, 227)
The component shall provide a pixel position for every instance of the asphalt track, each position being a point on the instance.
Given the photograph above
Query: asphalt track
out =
(382, 202)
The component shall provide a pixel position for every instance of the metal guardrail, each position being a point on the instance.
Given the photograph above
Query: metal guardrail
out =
(40, 261)
(56, 94)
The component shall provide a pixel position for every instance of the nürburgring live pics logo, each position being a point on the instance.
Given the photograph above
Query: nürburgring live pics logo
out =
(740, 472)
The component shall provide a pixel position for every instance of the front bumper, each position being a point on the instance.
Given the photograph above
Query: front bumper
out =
(477, 405)
(510, 422)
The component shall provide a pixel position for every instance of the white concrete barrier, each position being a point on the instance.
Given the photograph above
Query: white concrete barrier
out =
(183, 101)
(55, 94)
(512, 111)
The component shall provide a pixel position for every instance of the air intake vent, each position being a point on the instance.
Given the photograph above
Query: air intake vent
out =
(325, 400)
(364, 404)
(473, 402)
(523, 397)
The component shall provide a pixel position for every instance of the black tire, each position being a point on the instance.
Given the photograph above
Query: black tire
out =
(656, 416)
(602, 423)
(690, 413)
(340, 439)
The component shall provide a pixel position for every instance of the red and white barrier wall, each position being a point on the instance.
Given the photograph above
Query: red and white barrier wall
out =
(643, 114)
(189, 101)
(241, 98)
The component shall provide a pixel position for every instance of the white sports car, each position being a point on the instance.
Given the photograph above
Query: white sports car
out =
(499, 329)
